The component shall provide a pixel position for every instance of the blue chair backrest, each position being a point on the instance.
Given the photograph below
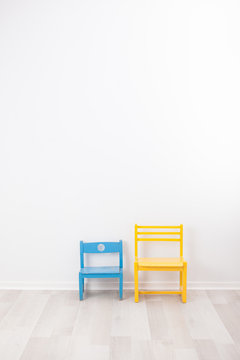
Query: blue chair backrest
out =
(101, 247)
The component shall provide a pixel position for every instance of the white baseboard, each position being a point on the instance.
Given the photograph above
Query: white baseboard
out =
(113, 285)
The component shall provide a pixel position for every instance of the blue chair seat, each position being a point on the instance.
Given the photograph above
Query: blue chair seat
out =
(100, 270)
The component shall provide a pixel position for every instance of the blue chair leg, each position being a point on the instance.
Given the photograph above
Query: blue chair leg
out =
(121, 285)
(83, 284)
(80, 287)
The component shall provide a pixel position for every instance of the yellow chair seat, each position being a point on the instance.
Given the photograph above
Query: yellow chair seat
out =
(160, 262)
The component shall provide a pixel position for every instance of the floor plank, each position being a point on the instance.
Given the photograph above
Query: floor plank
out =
(204, 321)
(121, 348)
(54, 348)
(230, 316)
(157, 321)
(186, 354)
(177, 325)
(206, 350)
(7, 300)
(59, 315)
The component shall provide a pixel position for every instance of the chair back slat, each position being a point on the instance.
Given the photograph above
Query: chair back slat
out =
(101, 247)
(158, 227)
(158, 239)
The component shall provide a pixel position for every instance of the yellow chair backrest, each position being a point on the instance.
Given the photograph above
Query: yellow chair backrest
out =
(163, 233)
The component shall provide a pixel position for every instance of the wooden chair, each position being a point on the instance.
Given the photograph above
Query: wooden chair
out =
(170, 233)
(100, 271)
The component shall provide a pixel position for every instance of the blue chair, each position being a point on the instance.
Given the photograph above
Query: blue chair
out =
(100, 271)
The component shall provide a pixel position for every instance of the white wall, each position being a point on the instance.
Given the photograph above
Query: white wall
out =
(115, 113)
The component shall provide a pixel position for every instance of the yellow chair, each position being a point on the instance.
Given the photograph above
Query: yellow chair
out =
(171, 233)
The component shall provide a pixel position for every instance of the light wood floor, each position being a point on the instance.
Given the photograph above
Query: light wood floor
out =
(49, 325)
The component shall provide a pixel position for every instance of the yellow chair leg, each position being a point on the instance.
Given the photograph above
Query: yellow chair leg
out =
(181, 279)
(136, 281)
(184, 287)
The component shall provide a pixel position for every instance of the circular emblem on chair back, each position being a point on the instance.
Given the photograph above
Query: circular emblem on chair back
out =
(101, 247)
